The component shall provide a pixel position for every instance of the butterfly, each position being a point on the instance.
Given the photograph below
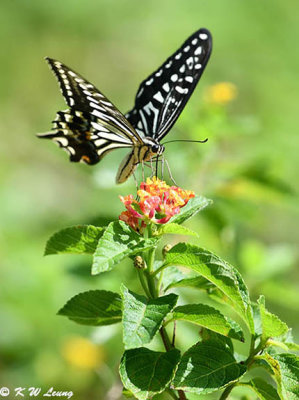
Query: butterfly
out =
(93, 126)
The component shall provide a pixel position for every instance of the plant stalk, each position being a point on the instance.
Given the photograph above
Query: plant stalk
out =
(227, 391)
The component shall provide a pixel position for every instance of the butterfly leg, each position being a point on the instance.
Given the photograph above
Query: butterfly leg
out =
(157, 165)
(152, 168)
(142, 166)
(169, 173)
(162, 168)
(135, 180)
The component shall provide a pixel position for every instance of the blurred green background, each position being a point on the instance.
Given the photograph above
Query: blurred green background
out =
(246, 104)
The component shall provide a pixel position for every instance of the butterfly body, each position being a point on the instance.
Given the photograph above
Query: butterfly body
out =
(139, 155)
(93, 126)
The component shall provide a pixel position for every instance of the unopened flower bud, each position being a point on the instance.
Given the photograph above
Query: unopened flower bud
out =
(166, 249)
(139, 262)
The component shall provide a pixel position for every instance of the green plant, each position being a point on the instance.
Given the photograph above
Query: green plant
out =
(211, 363)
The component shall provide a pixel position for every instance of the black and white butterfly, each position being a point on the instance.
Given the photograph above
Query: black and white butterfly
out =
(93, 126)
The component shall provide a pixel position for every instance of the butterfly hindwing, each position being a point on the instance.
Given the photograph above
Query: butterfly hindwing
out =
(163, 95)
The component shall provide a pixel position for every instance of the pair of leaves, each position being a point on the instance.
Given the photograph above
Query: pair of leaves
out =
(142, 318)
(108, 245)
(204, 368)
(222, 275)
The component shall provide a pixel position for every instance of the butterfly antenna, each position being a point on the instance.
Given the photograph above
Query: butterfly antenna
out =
(186, 140)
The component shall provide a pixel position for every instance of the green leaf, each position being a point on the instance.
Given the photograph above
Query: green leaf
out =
(145, 372)
(263, 390)
(289, 372)
(217, 271)
(198, 282)
(142, 318)
(95, 307)
(75, 239)
(208, 335)
(272, 326)
(117, 242)
(175, 229)
(210, 318)
(285, 369)
(292, 346)
(207, 367)
(193, 206)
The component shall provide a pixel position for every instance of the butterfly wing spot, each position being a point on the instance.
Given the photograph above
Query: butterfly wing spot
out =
(189, 79)
(194, 41)
(203, 36)
(169, 64)
(181, 90)
(198, 50)
(186, 49)
(166, 87)
(190, 62)
(174, 77)
(178, 56)
(86, 159)
(182, 69)
(159, 73)
(149, 82)
(198, 66)
(158, 96)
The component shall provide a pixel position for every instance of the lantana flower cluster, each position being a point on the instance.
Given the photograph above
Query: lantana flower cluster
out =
(157, 203)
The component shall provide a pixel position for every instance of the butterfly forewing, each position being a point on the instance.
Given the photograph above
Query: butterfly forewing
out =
(163, 95)
(93, 126)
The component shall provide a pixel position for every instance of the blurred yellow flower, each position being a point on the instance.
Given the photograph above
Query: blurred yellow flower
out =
(221, 93)
(82, 353)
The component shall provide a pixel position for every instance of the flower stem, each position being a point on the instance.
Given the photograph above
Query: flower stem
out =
(143, 282)
(165, 339)
(227, 391)
(153, 291)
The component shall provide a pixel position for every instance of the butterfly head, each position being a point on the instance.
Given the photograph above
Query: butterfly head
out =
(154, 147)
(157, 149)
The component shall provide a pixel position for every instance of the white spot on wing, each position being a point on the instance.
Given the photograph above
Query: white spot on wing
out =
(198, 51)
(203, 36)
(182, 69)
(174, 77)
(166, 87)
(140, 92)
(189, 79)
(62, 141)
(198, 66)
(159, 73)
(194, 41)
(158, 96)
(100, 142)
(186, 49)
(181, 90)
(190, 62)
(178, 56)
(149, 82)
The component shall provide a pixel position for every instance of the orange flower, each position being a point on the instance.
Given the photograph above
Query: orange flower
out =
(158, 202)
